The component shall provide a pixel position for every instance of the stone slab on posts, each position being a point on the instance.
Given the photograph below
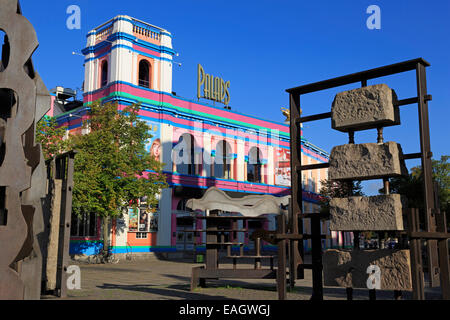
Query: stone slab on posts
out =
(366, 161)
(365, 108)
(352, 269)
(374, 213)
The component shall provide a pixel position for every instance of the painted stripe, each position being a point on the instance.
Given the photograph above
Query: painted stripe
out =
(74, 124)
(141, 249)
(187, 107)
(133, 40)
(99, 93)
(117, 46)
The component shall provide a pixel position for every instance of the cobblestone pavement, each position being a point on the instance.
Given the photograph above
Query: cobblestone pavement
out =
(161, 279)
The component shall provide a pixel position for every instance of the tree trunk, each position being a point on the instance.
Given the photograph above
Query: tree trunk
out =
(106, 232)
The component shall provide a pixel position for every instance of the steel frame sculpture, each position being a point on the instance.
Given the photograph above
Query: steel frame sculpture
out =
(434, 232)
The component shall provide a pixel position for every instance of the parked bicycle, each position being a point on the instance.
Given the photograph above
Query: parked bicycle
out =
(104, 256)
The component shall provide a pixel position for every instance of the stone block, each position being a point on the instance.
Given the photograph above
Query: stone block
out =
(366, 161)
(344, 268)
(365, 108)
(374, 213)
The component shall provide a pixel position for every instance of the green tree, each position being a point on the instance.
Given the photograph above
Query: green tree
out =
(111, 164)
(412, 185)
(337, 189)
(51, 137)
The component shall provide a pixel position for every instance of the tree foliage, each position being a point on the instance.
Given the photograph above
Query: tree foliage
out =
(338, 189)
(412, 185)
(51, 137)
(112, 166)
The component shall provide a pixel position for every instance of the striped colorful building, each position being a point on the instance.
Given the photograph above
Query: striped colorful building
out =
(129, 61)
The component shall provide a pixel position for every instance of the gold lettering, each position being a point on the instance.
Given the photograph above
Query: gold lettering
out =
(222, 89)
(206, 87)
(214, 88)
(227, 94)
(200, 80)
(217, 89)
(211, 86)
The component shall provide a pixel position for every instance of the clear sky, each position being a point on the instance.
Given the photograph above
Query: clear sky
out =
(265, 47)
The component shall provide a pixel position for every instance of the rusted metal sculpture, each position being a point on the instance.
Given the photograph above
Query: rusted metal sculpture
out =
(23, 102)
(435, 226)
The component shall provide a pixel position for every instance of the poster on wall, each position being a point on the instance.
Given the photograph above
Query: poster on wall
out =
(283, 167)
(143, 220)
(153, 221)
(133, 214)
(154, 144)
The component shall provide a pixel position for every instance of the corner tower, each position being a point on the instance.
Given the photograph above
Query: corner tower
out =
(127, 51)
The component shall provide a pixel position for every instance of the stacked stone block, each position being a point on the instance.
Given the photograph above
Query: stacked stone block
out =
(360, 109)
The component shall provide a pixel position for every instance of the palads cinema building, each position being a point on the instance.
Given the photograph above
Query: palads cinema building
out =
(129, 61)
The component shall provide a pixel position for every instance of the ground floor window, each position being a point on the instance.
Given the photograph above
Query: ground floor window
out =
(141, 235)
(84, 225)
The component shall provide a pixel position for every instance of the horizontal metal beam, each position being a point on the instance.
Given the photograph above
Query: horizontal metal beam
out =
(313, 166)
(359, 76)
(313, 117)
(314, 215)
(429, 235)
(237, 273)
(327, 115)
(409, 156)
(404, 102)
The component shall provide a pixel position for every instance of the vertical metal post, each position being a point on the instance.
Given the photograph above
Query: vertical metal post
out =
(64, 168)
(425, 146)
(297, 251)
(316, 256)
(444, 263)
(258, 253)
(211, 237)
(416, 257)
(294, 256)
(281, 270)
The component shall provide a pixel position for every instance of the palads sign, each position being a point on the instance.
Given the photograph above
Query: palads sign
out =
(214, 88)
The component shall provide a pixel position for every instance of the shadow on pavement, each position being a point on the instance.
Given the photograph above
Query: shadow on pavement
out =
(171, 291)
(220, 283)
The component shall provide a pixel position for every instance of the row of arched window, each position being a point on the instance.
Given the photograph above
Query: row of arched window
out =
(222, 160)
(144, 75)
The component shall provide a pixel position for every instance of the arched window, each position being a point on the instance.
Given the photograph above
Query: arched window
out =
(104, 74)
(185, 163)
(144, 74)
(254, 165)
(222, 161)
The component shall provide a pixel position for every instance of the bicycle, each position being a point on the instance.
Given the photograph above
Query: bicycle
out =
(104, 256)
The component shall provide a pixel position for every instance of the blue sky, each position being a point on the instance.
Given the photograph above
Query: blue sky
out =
(265, 47)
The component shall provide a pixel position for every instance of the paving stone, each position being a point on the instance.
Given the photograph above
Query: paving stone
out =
(365, 108)
(345, 268)
(374, 213)
(366, 161)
